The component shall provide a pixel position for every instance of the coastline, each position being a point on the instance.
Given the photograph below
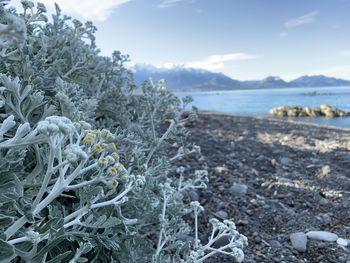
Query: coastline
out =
(254, 88)
(276, 119)
(294, 177)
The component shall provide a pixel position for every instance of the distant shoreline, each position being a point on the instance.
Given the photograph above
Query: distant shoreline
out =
(272, 119)
(263, 88)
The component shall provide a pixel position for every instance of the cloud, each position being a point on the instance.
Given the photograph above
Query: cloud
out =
(283, 34)
(170, 3)
(301, 20)
(211, 63)
(87, 9)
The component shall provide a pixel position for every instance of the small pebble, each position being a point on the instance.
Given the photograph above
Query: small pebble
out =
(275, 244)
(221, 214)
(220, 169)
(323, 201)
(239, 189)
(193, 195)
(342, 242)
(221, 188)
(299, 241)
(325, 218)
(286, 161)
(325, 171)
(322, 236)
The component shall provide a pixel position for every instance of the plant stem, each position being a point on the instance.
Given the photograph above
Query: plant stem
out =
(14, 228)
(47, 177)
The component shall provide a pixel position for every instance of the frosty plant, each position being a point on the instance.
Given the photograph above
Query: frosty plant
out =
(221, 230)
(85, 161)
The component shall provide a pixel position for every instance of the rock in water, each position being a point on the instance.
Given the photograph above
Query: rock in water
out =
(322, 236)
(295, 111)
(299, 241)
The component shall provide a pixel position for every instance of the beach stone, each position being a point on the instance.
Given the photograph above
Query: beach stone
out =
(221, 214)
(342, 242)
(299, 241)
(221, 188)
(286, 161)
(239, 189)
(323, 201)
(325, 171)
(275, 244)
(194, 196)
(220, 169)
(273, 162)
(325, 218)
(322, 236)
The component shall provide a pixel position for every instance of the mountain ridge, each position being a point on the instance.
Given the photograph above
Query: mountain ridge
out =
(190, 79)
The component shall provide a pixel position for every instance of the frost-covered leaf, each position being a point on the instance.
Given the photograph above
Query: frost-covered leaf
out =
(7, 252)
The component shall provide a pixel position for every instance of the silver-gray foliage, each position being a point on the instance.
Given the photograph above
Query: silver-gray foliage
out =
(85, 157)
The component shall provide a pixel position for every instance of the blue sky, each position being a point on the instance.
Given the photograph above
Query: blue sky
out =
(245, 39)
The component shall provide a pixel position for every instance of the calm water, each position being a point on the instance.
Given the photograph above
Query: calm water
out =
(259, 102)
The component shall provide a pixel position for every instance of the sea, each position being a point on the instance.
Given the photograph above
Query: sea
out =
(258, 102)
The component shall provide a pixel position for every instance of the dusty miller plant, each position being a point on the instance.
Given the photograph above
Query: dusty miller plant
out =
(85, 157)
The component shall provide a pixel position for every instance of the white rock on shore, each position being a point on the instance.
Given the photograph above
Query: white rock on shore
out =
(322, 236)
(342, 242)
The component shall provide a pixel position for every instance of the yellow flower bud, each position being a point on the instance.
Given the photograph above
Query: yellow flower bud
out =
(112, 184)
(112, 171)
(103, 161)
(97, 148)
(89, 138)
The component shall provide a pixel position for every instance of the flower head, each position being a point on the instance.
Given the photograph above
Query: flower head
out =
(112, 184)
(55, 124)
(89, 138)
(97, 148)
(103, 162)
(112, 171)
(74, 153)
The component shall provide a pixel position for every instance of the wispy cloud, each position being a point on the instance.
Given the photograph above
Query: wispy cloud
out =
(170, 3)
(301, 20)
(283, 34)
(211, 63)
(87, 9)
